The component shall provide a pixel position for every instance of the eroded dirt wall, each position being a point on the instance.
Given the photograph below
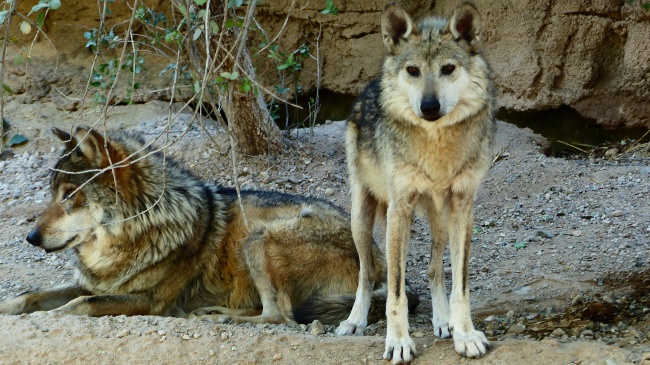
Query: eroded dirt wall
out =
(591, 55)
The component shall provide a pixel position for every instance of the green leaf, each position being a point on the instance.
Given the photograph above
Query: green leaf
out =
(646, 6)
(330, 8)
(197, 33)
(245, 85)
(235, 3)
(40, 6)
(3, 16)
(169, 37)
(6, 88)
(55, 4)
(25, 27)
(230, 24)
(17, 139)
(199, 2)
(40, 19)
(214, 28)
(230, 75)
(520, 245)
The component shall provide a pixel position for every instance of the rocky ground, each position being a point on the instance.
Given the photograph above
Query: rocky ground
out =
(560, 263)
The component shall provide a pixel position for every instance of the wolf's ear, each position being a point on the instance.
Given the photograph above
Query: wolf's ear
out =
(91, 146)
(465, 23)
(64, 136)
(396, 26)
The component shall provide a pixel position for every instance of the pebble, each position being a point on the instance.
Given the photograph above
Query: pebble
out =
(576, 233)
(516, 329)
(317, 328)
(558, 332)
(277, 357)
(616, 213)
(587, 333)
(122, 334)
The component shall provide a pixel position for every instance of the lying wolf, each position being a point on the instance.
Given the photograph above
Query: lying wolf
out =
(152, 239)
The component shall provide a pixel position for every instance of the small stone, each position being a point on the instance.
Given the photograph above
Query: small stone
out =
(329, 191)
(616, 213)
(418, 334)
(558, 332)
(277, 357)
(544, 234)
(577, 300)
(212, 352)
(123, 334)
(612, 152)
(576, 233)
(161, 332)
(196, 335)
(516, 329)
(587, 333)
(317, 328)
(186, 337)
(224, 336)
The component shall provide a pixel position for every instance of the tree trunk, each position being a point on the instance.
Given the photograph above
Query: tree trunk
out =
(247, 115)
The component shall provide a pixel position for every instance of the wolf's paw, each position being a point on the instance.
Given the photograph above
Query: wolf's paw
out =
(348, 328)
(442, 329)
(471, 344)
(399, 350)
(215, 318)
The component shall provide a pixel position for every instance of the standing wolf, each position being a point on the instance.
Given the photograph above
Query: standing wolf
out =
(150, 238)
(420, 137)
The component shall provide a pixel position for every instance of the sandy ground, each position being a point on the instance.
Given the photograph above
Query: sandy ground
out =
(560, 262)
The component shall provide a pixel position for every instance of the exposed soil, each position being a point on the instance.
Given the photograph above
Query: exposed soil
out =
(560, 265)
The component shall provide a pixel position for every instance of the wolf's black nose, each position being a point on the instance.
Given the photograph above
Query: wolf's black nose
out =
(34, 237)
(430, 109)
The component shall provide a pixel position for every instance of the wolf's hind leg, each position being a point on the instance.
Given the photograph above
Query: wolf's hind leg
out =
(276, 303)
(438, 215)
(363, 217)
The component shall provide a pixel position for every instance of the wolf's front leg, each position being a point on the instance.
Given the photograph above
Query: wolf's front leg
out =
(400, 348)
(108, 305)
(467, 341)
(44, 300)
(363, 215)
(438, 214)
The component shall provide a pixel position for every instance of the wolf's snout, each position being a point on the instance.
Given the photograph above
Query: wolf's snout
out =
(430, 109)
(34, 237)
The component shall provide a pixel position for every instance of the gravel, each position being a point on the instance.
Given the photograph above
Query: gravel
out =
(551, 235)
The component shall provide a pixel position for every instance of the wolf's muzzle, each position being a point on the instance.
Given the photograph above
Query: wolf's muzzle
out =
(430, 109)
(34, 237)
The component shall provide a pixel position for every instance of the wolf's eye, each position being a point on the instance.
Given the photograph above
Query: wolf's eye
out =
(447, 69)
(413, 71)
(68, 193)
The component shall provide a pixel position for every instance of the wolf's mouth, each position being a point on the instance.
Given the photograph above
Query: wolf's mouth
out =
(62, 247)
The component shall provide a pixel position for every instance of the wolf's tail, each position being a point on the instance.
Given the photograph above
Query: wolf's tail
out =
(333, 309)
